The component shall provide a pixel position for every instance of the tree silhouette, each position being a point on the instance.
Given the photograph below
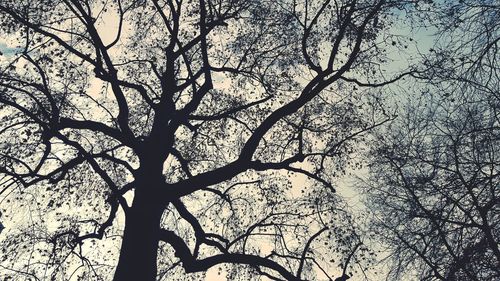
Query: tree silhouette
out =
(434, 181)
(177, 128)
(436, 177)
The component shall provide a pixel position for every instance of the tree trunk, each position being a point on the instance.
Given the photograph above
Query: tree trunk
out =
(139, 248)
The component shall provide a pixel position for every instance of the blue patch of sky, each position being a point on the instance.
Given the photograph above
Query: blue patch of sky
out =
(8, 51)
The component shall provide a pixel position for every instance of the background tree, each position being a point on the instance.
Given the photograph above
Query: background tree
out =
(434, 176)
(179, 127)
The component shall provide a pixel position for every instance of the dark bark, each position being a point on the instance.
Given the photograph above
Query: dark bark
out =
(138, 254)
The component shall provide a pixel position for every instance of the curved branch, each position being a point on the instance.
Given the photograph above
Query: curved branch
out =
(191, 264)
(306, 249)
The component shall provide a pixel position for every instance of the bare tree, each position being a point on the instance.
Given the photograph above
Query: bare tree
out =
(434, 189)
(183, 124)
(434, 184)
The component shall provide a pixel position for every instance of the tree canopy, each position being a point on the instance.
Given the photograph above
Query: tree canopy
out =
(434, 173)
(167, 139)
(192, 119)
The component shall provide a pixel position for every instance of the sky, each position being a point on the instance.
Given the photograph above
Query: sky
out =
(7, 50)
